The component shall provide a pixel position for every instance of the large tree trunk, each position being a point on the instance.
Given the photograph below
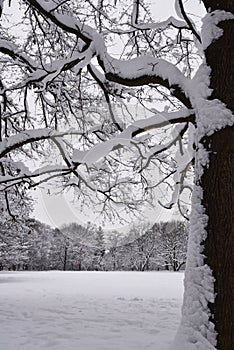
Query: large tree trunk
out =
(217, 183)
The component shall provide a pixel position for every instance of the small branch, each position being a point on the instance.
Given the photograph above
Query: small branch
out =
(191, 27)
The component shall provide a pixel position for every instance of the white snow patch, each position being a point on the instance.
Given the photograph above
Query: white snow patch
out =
(89, 310)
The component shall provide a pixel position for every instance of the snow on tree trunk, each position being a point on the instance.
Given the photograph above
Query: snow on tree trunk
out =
(218, 184)
(207, 321)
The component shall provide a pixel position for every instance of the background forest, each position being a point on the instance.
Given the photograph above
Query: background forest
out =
(32, 245)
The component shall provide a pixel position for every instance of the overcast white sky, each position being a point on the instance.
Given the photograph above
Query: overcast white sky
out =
(58, 209)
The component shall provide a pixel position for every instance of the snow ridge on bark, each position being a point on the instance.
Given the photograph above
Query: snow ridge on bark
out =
(196, 331)
(210, 31)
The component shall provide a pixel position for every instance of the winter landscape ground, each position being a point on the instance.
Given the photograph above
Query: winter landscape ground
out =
(89, 310)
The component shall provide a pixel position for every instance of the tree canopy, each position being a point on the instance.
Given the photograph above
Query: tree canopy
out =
(63, 89)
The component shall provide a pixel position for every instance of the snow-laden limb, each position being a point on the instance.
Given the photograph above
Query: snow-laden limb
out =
(86, 33)
(47, 173)
(64, 21)
(17, 165)
(138, 67)
(170, 21)
(161, 119)
(47, 72)
(140, 71)
(14, 51)
(71, 24)
(13, 142)
(144, 70)
(101, 150)
(26, 175)
(210, 30)
(77, 60)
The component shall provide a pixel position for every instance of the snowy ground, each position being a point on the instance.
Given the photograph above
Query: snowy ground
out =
(89, 310)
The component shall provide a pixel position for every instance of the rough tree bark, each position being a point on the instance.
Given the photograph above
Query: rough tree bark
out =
(218, 183)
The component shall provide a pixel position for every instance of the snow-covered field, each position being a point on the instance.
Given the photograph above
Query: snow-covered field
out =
(89, 310)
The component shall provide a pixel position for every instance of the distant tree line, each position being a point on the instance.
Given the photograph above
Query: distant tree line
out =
(161, 247)
(32, 245)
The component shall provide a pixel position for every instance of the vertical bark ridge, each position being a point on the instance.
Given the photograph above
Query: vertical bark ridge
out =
(218, 183)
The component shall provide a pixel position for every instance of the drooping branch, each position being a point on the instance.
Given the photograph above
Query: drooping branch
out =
(13, 51)
(29, 136)
(175, 89)
(63, 21)
(124, 138)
